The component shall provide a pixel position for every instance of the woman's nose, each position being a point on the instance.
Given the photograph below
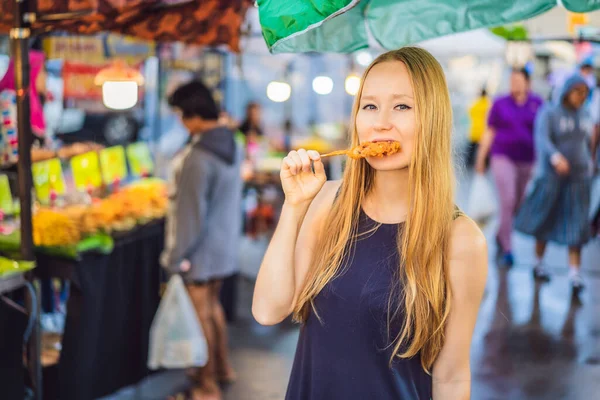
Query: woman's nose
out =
(383, 122)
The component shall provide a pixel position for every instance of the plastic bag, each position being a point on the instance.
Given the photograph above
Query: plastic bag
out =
(176, 336)
(482, 200)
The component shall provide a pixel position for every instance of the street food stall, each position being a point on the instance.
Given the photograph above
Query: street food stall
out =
(114, 274)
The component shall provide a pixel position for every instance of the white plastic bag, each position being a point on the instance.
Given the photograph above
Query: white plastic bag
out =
(482, 200)
(176, 336)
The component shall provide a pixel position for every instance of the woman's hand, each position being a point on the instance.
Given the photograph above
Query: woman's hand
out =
(300, 183)
(185, 266)
(561, 164)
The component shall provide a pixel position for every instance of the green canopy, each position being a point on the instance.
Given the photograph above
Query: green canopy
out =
(344, 26)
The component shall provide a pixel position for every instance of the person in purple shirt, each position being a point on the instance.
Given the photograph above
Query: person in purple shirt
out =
(509, 143)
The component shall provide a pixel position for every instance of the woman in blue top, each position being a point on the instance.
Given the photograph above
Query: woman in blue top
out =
(556, 209)
(384, 273)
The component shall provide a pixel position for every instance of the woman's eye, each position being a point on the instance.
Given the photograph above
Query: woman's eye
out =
(403, 107)
(369, 107)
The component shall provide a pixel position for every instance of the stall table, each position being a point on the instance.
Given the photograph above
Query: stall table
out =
(13, 322)
(112, 302)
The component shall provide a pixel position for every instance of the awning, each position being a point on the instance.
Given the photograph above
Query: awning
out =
(349, 25)
(202, 22)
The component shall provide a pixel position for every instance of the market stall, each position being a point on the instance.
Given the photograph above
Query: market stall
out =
(106, 243)
(155, 20)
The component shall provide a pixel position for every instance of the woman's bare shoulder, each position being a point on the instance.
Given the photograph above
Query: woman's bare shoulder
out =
(466, 239)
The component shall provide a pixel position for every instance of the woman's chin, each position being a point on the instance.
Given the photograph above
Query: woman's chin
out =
(389, 163)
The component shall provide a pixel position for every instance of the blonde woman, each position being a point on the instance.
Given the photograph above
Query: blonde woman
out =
(383, 272)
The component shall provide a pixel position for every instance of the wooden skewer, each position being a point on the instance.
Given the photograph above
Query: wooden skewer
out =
(335, 153)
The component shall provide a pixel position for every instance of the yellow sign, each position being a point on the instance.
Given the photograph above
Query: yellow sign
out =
(86, 171)
(112, 161)
(140, 159)
(48, 177)
(574, 20)
(6, 200)
(75, 48)
(129, 49)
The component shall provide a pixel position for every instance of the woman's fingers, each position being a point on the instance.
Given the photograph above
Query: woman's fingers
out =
(305, 160)
(297, 161)
(314, 155)
(300, 161)
(288, 165)
(318, 166)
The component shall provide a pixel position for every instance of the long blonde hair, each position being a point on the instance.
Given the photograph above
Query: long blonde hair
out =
(423, 240)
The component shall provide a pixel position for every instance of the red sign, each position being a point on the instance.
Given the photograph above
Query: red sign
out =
(78, 80)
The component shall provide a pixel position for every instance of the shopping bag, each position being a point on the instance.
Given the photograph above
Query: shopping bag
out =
(482, 200)
(176, 336)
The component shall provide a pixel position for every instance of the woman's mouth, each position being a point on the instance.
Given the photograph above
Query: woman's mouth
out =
(383, 140)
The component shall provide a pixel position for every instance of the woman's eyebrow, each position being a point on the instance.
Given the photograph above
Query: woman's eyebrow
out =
(395, 96)
(401, 96)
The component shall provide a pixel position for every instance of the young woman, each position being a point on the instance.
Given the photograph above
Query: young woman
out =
(509, 140)
(204, 223)
(384, 273)
(557, 207)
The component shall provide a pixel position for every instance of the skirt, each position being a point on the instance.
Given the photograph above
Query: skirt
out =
(556, 210)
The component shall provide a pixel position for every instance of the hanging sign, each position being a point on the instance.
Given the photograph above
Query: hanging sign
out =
(112, 161)
(48, 179)
(140, 159)
(6, 200)
(86, 171)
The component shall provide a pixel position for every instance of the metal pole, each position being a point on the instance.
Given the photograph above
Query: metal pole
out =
(19, 36)
(20, 47)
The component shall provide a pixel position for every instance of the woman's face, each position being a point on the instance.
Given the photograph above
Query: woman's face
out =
(577, 95)
(387, 112)
(254, 114)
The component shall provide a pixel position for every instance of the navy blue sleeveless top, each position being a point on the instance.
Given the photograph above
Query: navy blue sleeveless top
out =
(346, 355)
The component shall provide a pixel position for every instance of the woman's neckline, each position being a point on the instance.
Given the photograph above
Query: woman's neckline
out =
(362, 210)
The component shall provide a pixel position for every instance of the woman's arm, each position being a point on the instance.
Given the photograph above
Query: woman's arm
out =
(545, 141)
(485, 144)
(288, 257)
(468, 273)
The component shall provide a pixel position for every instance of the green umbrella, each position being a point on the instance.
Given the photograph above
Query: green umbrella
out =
(348, 25)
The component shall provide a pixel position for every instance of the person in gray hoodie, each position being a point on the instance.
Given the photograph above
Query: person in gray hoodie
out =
(204, 222)
(556, 208)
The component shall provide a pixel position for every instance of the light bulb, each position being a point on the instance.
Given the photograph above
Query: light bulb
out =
(278, 91)
(322, 85)
(364, 58)
(119, 95)
(352, 85)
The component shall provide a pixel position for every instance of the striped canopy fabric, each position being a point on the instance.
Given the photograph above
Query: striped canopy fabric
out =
(203, 22)
(344, 26)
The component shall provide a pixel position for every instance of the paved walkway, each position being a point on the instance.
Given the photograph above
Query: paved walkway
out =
(531, 341)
